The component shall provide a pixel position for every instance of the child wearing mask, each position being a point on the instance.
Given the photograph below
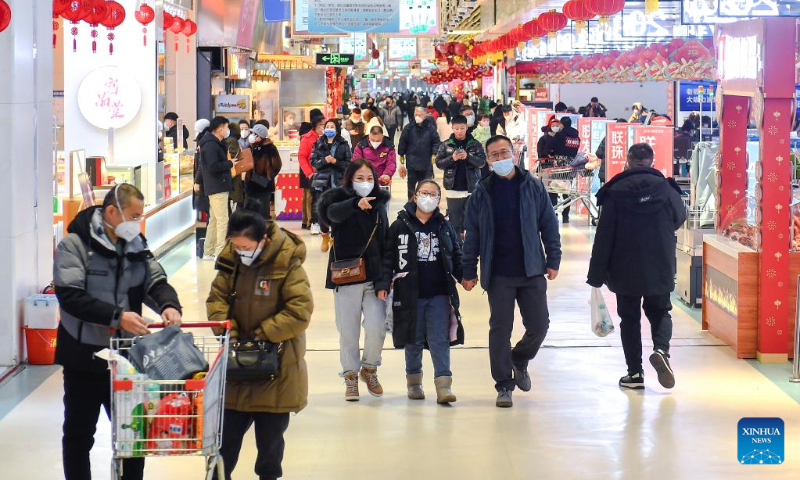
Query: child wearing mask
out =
(423, 259)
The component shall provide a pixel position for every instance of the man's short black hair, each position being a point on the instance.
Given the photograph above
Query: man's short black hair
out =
(217, 122)
(640, 155)
(560, 107)
(261, 122)
(124, 192)
(566, 121)
(171, 116)
(498, 138)
(465, 108)
(356, 111)
(594, 99)
(459, 120)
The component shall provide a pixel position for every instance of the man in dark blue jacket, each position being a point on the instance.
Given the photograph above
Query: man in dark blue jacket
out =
(513, 262)
(215, 168)
(634, 254)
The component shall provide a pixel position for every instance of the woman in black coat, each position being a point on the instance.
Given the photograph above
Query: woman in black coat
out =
(330, 158)
(356, 212)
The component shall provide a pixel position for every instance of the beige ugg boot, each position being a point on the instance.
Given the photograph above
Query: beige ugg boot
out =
(443, 392)
(414, 383)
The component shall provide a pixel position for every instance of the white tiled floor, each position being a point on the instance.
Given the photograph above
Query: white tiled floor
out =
(576, 423)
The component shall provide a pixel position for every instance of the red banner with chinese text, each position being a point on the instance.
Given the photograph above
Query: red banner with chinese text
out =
(661, 140)
(616, 148)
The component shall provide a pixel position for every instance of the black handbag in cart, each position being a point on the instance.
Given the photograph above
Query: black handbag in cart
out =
(253, 360)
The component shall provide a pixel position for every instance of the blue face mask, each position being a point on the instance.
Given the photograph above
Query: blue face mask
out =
(503, 167)
(330, 132)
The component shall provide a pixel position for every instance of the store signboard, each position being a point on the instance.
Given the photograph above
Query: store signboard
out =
(616, 148)
(277, 10)
(109, 97)
(661, 139)
(347, 16)
(585, 134)
(231, 104)
(541, 94)
(401, 48)
(335, 59)
(722, 291)
(740, 59)
(694, 96)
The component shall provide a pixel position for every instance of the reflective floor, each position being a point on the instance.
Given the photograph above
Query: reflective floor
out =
(576, 422)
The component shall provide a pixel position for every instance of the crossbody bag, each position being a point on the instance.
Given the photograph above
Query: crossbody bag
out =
(345, 272)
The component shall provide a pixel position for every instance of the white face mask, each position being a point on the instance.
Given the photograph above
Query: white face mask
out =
(249, 256)
(555, 129)
(471, 120)
(419, 119)
(245, 133)
(126, 230)
(427, 204)
(252, 138)
(363, 188)
(375, 145)
(355, 120)
(227, 133)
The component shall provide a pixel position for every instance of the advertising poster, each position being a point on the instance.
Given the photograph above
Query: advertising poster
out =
(419, 17)
(598, 133)
(585, 134)
(660, 138)
(347, 16)
(355, 44)
(695, 96)
(404, 49)
(616, 148)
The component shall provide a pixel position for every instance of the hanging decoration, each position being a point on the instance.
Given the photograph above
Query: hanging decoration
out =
(166, 21)
(145, 15)
(605, 9)
(114, 18)
(5, 15)
(189, 29)
(175, 27)
(98, 10)
(533, 31)
(551, 22)
(55, 30)
(578, 12)
(59, 6)
(74, 13)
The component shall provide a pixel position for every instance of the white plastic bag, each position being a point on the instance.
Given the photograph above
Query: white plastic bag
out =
(601, 319)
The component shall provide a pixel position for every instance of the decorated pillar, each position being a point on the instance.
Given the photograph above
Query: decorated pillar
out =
(732, 160)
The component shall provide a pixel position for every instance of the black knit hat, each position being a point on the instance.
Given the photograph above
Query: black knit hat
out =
(316, 117)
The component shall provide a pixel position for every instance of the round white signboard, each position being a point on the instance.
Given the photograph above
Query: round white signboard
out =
(109, 97)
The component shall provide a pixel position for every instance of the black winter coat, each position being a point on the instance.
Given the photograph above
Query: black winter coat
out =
(400, 257)
(214, 165)
(475, 161)
(173, 133)
(329, 175)
(565, 143)
(418, 143)
(634, 247)
(351, 228)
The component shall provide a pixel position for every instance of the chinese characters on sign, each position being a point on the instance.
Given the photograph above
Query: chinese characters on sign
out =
(616, 148)
(335, 59)
(585, 134)
(346, 16)
(109, 98)
(660, 138)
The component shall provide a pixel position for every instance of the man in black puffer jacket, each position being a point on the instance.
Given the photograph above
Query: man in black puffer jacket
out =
(418, 144)
(634, 254)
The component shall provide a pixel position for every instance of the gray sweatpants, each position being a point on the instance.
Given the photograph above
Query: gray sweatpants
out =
(350, 303)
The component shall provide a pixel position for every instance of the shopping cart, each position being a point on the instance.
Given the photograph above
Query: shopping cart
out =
(572, 185)
(170, 417)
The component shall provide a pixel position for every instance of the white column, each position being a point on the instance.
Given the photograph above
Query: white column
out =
(26, 165)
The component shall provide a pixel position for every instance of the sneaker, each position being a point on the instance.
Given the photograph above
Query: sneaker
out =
(632, 381)
(504, 399)
(370, 377)
(660, 361)
(522, 378)
(315, 230)
(326, 242)
(210, 258)
(351, 384)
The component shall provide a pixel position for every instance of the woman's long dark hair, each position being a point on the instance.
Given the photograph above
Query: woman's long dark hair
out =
(356, 165)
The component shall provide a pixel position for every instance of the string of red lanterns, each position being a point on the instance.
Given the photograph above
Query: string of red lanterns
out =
(579, 13)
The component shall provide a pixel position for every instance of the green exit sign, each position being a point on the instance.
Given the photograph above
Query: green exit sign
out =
(367, 75)
(335, 59)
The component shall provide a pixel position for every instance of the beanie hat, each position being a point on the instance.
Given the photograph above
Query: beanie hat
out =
(260, 130)
(201, 125)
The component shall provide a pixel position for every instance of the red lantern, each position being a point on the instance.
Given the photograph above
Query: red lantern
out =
(74, 13)
(5, 15)
(145, 15)
(578, 12)
(460, 49)
(189, 29)
(605, 8)
(115, 17)
(166, 23)
(59, 6)
(551, 22)
(176, 27)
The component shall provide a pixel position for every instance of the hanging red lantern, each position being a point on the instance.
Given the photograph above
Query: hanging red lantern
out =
(460, 49)
(605, 9)
(166, 23)
(98, 10)
(145, 15)
(551, 22)
(115, 17)
(189, 29)
(59, 6)
(578, 12)
(176, 27)
(5, 15)
(74, 13)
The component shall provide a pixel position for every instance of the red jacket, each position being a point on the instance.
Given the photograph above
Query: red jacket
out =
(307, 143)
(384, 159)
(433, 112)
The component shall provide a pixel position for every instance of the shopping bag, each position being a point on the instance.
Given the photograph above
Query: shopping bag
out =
(168, 355)
(601, 319)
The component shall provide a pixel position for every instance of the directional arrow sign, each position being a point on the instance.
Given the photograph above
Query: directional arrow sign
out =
(367, 75)
(335, 59)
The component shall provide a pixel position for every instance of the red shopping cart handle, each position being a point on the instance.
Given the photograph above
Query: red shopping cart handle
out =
(226, 325)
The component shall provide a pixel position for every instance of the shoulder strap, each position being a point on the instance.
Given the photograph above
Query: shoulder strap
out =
(372, 235)
(232, 295)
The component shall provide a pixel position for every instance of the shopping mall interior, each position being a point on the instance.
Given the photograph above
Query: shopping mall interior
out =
(651, 158)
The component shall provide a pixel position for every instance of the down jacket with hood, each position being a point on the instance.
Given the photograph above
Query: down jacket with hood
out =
(418, 143)
(475, 161)
(273, 302)
(95, 284)
(329, 175)
(215, 166)
(400, 260)
(384, 158)
(634, 247)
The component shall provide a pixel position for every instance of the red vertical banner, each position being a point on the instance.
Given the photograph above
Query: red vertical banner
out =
(776, 197)
(661, 139)
(732, 161)
(671, 101)
(585, 134)
(616, 148)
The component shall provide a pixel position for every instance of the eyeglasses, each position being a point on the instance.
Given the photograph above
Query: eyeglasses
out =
(434, 196)
(499, 155)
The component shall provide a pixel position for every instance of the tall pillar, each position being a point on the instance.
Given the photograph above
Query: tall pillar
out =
(26, 165)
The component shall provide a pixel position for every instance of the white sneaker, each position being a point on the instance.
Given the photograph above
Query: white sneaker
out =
(315, 230)
(209, 257)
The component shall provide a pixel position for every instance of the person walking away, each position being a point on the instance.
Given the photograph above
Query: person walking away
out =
(380, 152)
(392, 118)
(514, 261)
(262, 289)
(498, 123)
(595, 109)
(682, 146)
(355, 126)
(455, 107)
(103, 273)
(562, 147)
(171, 127)
(482, 132)
(634, 254)
(307, 143)
(237, 181)
(330, 159)
(432, 112)
(259, 183)
(199, 198)
(423, 252)
(411, 107)
(217, 183)
(440, 104)
(462, 158)
(371, 119)
(443, 128)
(419, 143)
(356, 212)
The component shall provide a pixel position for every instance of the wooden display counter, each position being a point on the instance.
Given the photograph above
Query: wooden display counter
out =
(730, 294)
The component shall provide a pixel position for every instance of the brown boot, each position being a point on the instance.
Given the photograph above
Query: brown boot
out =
(414, 383)
(443, 392)
(351, 383)
(326, 242)
(370, 377)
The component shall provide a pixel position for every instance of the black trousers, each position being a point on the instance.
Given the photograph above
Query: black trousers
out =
(392, 131)
(656, 309)
(315, 194)
(456, 209)
(270, 428)
(84, 394)
(530, 293)
(414, 177)
(554, 201)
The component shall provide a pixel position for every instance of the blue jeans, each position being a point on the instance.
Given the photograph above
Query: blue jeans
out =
(433, 325)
